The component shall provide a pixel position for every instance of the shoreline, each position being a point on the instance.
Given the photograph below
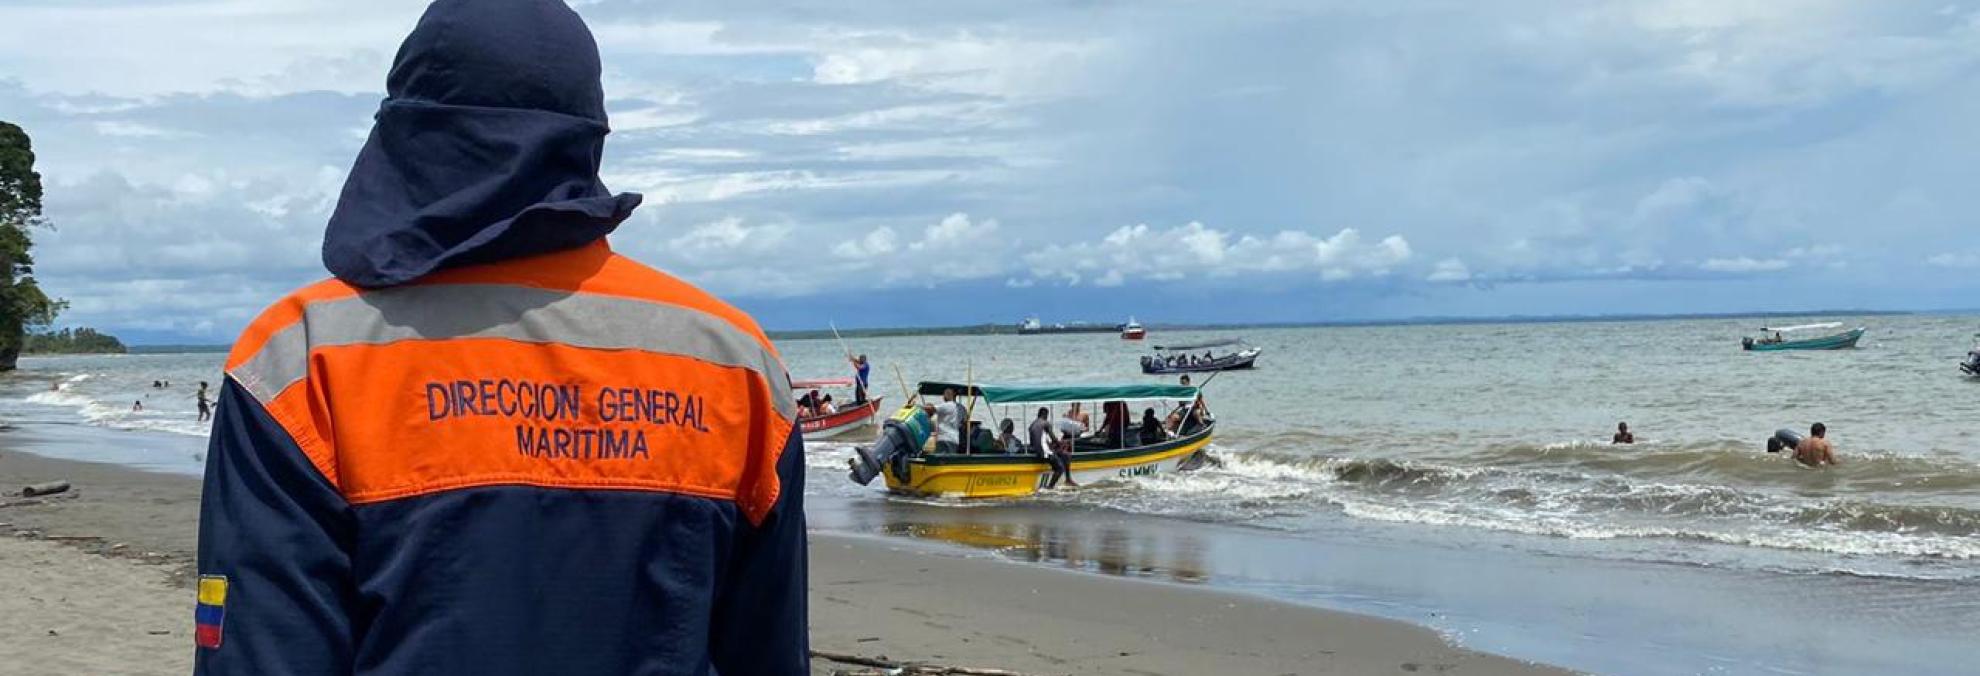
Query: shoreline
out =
(110, 563)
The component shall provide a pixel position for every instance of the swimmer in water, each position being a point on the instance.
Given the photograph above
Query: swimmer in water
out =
(1815, 451)
(1622, 434)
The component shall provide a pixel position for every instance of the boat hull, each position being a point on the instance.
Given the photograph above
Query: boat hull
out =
(1235, 363)
(1012, 476)
(1840, 341)
(829, 426)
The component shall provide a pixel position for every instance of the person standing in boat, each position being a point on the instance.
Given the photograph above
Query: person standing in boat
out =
(1815, 451)
(861, 370)
(948, 417)
(1623, 435)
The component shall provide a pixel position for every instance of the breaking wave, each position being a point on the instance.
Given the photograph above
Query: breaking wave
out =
(1706, 494)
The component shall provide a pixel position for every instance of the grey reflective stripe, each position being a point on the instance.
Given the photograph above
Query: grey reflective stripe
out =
(282, 361)
(520, 313)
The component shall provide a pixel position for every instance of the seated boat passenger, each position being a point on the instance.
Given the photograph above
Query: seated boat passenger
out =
(825, 406)
(1113, 424)
(1007, 440)
(981, 440)
(1073, 425)
(1151, 428)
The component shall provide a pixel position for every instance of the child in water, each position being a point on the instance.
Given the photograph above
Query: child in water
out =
(205, 405)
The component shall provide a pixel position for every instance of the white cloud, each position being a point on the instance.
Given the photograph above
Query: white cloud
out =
(133, 129)
(1744, 264)
(1963, 260)
(1827, 256)
(955, 233)
(879, 242)
(965, 62)
(728, 240)
(1449, 270)
(1193, 249)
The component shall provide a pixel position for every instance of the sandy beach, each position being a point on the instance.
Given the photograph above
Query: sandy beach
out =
(104, 573)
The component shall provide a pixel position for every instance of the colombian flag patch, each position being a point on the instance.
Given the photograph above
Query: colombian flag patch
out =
(212, 609)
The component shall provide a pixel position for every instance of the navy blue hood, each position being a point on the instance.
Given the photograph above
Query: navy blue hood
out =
(486, 148)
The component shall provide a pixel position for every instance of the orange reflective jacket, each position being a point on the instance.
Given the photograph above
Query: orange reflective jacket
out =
(568, 463)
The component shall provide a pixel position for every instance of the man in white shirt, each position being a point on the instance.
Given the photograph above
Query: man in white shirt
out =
(948, 417)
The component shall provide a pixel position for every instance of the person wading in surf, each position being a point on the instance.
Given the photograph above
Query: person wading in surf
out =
(1815, 450)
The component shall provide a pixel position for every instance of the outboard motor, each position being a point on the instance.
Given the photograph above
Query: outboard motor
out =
(901, 437)
(1784, 439)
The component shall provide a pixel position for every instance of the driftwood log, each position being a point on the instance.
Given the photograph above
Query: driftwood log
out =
(878, 666)
(45, 488)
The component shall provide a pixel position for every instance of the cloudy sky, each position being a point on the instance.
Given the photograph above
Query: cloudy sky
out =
(963, 162)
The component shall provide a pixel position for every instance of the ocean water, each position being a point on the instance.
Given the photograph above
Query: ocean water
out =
(1500, 427)
(107, 391)
(1506, 428)
(1388, 469)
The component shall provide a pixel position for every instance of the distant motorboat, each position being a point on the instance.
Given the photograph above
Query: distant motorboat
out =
(1183, 359)
(1031, 326)
(1133, 330)
(1777, 338)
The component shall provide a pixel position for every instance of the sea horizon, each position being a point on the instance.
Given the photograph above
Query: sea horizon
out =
(1010, 328)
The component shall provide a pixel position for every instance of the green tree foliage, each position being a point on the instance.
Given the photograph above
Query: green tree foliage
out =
(73, 341)
(22, 304)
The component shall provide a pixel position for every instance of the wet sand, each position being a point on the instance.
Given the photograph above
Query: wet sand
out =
(106, 568)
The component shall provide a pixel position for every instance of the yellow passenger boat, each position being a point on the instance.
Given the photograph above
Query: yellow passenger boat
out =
(978, 468)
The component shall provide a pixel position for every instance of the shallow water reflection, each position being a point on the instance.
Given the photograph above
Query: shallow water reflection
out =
(1076, 539)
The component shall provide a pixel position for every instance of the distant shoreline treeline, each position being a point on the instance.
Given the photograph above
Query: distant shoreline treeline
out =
(1011, 329)
(72, 341)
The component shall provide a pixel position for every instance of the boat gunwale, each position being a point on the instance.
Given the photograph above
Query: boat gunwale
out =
(872, 407)
(957, 460)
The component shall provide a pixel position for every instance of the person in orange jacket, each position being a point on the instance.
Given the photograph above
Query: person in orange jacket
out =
(490, 445)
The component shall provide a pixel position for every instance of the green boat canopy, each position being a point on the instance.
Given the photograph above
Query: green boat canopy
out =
(1051, 394)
